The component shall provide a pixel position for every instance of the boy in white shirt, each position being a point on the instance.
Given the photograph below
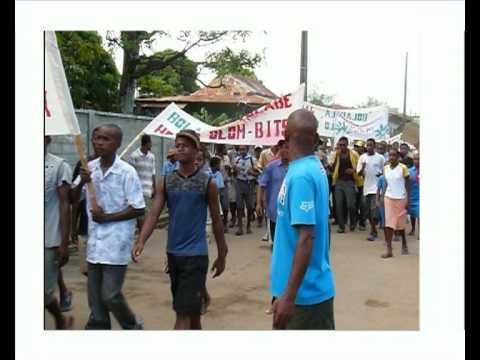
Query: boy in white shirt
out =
(370, 166)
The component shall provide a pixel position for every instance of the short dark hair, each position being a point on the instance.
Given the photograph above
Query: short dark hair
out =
(214, 161)
(94, 131)
(112, 126)
(405, 144)
(372, 140)
(343, 138)
(280, 143)
(146, 139)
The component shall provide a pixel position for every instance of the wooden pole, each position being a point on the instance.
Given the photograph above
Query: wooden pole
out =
(124, 152)
(83, 160)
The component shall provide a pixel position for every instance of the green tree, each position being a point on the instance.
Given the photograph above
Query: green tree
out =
(137, 63)
(90, 70)
(227, 62)
(371, 102)
(175, 79)
(319, 99)
(211, 119)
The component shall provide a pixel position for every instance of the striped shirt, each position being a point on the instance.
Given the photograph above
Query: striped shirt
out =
(145, 166)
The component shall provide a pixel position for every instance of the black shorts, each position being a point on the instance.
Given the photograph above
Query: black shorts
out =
(313, 317)
(188, 275)
(371, 206)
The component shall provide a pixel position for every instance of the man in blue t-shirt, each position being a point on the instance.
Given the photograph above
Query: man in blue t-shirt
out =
(300, 276)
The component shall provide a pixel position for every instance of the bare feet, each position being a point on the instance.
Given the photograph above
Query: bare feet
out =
(387, 255)
(411, 233)
(404, 251)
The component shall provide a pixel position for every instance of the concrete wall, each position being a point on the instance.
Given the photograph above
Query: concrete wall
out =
(131, 126)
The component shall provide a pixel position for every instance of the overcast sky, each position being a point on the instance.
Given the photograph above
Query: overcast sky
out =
(350, 65)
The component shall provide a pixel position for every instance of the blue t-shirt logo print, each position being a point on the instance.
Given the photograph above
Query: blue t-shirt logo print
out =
(306, 206)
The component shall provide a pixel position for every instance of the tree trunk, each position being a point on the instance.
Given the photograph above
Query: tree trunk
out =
(128, 84)
(127, 94)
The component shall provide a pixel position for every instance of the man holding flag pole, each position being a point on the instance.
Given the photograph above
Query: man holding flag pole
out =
(59, 119)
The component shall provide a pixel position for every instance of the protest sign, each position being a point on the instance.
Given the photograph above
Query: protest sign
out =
(264, 126)
(169, 122)
(360, 124)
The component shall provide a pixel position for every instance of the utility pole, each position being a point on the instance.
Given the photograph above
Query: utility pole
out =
(405, 89)
(303, 62)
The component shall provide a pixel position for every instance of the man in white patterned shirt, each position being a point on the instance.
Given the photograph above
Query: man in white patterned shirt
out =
(111, 229)
(143, 160)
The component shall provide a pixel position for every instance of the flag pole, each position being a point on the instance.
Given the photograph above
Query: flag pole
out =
(127, 148)
(83, 161)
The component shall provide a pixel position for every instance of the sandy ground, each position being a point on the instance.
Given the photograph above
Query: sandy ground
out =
(372, 293)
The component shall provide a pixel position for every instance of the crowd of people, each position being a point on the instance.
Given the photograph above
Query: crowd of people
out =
(296, 189)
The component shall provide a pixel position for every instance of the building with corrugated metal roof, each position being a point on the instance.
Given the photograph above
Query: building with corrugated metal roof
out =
(231, 95)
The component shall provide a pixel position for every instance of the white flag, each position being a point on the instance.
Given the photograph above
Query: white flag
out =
(173, 119)
(60, 118)
(396, 138)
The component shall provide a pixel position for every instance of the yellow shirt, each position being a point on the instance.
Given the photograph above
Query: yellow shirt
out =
(265, 157)
(358, 180)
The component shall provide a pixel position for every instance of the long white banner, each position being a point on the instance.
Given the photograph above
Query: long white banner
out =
(264, 126)
(60, 118)
(358, 124)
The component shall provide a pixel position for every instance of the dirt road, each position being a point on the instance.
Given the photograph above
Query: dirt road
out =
(372, 293)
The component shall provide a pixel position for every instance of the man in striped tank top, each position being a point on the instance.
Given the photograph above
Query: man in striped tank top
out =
(187, 192)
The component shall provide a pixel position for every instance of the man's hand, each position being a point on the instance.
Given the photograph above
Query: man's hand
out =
(137, 251)
(62, 255)
(349, 171)
(99, 215)
(85, 175)
(218, 265)
(259, 210)
(283, 310)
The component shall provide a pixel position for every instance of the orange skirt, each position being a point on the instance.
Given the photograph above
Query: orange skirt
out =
(395, 213)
